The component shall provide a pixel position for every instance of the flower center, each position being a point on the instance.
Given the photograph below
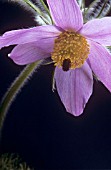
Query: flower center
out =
(70, 50)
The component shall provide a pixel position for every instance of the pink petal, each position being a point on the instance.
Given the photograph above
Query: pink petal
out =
(31, 52)
(66, 14)
(100, 62)
(98, 30)
(74, 88)
(23, 36)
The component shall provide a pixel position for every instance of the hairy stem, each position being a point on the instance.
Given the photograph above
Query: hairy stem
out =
(45, 7)
(15, 88)
(33, 6)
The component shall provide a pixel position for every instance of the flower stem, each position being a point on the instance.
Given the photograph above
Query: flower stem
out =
(45, 7)
(33, 6)
(15, 88)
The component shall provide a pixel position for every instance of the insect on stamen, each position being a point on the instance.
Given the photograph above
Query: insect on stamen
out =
(66, 64)
(70, 50)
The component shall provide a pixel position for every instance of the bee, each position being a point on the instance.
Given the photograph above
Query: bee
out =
(66, 64)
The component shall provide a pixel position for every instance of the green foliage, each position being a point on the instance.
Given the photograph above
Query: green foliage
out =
(12, 162)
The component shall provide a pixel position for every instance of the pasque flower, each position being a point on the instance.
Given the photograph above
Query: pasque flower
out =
(76, 49)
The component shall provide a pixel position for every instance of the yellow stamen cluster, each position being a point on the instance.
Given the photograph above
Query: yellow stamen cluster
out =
(71, 47)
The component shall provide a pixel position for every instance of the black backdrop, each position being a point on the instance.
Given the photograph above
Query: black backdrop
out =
(37, 126)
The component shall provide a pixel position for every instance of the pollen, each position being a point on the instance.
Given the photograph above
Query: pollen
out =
(70, 50)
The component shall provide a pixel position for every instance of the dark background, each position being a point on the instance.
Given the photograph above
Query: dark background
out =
(37, 126)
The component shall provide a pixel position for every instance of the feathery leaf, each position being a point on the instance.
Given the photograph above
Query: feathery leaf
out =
(97, 9)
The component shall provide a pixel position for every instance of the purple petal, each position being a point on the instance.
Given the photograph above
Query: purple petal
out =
(98, 30)
(23, 36)
(100, 62)
(31, 52)
(66, 14)
(74, 88)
